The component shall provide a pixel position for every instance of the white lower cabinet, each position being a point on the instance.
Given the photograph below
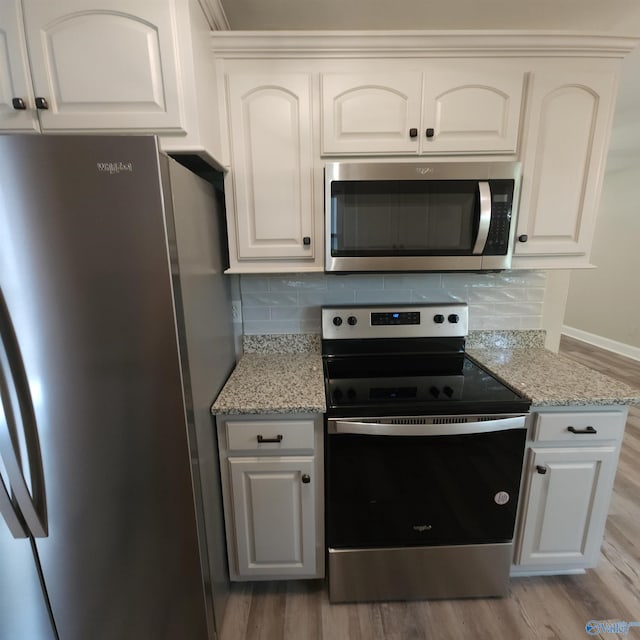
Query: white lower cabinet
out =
(567, 484)
(272, 479)
(274, 515)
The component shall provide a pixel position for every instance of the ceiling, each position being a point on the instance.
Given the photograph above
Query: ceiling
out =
(621, 17)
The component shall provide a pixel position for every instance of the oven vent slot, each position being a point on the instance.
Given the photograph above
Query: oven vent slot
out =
(457, 420)
(447, 420)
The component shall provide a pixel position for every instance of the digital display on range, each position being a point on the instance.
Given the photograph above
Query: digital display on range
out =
(395, 317)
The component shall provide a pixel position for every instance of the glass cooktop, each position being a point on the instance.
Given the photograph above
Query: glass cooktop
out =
(412, 386)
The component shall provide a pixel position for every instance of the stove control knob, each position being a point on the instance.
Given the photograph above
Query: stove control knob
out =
(454, 318)
(351, 393)
(352, 320)
(337, 394)
(438, 318)
(337, 321)
(434, 391)
(448, 391)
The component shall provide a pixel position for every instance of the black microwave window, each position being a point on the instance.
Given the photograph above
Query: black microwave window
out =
(404, 217)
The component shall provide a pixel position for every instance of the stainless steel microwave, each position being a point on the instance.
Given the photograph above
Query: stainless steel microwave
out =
(424, 216)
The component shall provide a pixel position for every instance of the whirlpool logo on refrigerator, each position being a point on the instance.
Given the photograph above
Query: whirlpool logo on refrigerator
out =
(115, 167)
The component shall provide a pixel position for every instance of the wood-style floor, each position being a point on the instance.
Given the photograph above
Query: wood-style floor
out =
(540, 608)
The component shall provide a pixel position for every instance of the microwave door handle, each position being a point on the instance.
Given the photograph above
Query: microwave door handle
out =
(485, 218)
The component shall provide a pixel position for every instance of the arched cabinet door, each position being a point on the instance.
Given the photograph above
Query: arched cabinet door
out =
(16, 95)
(440, 107)
(569, 123)
(371, 112)
(107, 64)
(472, 107)
(272, 158)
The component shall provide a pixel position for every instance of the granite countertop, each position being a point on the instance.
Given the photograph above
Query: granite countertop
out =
(552, 380)
(274, 383)
(283, 374)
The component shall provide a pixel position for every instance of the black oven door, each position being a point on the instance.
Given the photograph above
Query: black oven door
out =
(412, 484)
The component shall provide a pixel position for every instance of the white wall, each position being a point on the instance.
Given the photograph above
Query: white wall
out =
(603, 304)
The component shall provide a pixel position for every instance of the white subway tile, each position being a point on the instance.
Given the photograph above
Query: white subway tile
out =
(497, 294)
(287, 313)
(298, 282)
(355, 283)
(530, 322)
(256, 314)
(383, 297)
(413, 281)
(251, 284)
(270, 299)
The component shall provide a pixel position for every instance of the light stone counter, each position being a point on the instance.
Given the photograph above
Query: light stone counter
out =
(283, 374)
(274, 383)
(550, 379)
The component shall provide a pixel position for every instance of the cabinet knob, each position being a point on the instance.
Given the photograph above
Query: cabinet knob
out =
(523, 238)
(18, 104)
(541, 469)
(306, 478)
(413, 133)
(430, 132)
(306, 241)
(41, 103)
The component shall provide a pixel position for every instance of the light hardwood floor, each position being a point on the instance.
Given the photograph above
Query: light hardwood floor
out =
(540, 608)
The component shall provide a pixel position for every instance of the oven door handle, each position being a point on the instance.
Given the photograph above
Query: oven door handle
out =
(484, 191)
(364, 428)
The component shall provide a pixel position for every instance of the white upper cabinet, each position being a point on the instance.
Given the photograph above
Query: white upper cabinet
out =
(270, 189)
(569, 121)
(448, 106)
(104, 64)
(110, 65)
(543, 99)
(16, 93)
(370, 112)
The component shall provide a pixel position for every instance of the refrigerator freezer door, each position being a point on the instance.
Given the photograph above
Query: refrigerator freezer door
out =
(85, 271)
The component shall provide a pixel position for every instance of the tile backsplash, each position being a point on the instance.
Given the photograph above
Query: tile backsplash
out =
(291, 303)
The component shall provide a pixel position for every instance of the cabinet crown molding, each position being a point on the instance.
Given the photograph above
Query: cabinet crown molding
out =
(375, 44)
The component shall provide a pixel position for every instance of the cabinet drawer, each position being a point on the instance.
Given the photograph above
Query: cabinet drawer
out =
(589, 426)
(279, 435)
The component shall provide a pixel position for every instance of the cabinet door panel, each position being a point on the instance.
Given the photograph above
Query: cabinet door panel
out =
(567, 505)
(370, 113)
(101, 67)
(272, 159)
(274, 515)
(15, 81)
(472, 108)
(569, 122)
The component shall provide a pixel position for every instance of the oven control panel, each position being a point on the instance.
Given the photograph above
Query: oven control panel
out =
(429, 320)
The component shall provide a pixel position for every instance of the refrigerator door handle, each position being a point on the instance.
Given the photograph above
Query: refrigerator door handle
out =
(10, 514)
(18, 424)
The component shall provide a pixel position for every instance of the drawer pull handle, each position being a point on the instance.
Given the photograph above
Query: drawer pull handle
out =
(278, 438)
(586, 430)
(541, 469)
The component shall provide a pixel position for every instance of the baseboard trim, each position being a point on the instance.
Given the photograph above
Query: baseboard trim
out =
(620, 348)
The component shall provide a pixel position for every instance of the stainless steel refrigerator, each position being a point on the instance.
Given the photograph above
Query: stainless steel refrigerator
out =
(116, 335)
